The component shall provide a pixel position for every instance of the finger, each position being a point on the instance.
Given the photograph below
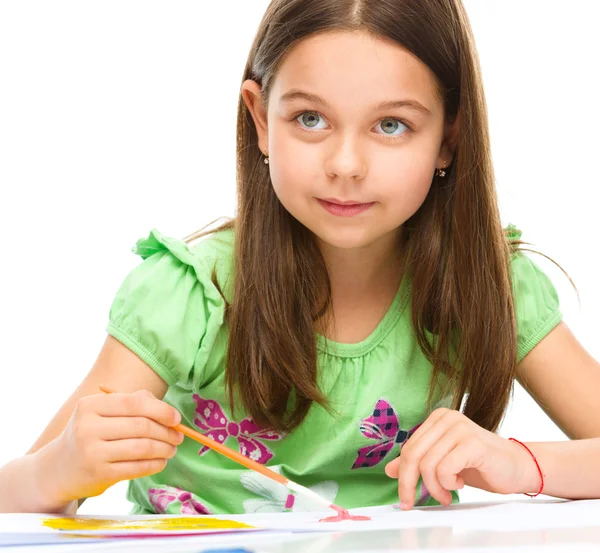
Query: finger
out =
(129, 470)
(139, 404)
(432, 460)
(119, 428)
(408, 477)
(440, 421)
(392, 468)
(430, 421)
(137, 449)
(417, 447)
(464, 456)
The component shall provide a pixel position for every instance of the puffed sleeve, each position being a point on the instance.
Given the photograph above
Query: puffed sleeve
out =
(536, 301)
(168, 311)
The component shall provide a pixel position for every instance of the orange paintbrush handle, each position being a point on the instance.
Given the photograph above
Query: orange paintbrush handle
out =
(222, 449)
(228, 452)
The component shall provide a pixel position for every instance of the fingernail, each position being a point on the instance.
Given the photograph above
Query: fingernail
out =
(404, 506)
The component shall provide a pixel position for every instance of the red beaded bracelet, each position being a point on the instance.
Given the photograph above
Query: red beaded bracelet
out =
(536, 464)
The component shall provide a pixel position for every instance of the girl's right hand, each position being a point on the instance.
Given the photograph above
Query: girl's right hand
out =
(109, 438)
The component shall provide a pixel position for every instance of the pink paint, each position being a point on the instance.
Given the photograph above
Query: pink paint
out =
(342, 515)
(289, 502)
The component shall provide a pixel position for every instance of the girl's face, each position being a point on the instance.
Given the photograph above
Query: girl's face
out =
(354, 130)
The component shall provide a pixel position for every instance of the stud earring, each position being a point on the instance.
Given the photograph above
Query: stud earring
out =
(266, 160)
(441, 172)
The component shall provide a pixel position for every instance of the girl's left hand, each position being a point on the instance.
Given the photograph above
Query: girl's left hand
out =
(449, 451)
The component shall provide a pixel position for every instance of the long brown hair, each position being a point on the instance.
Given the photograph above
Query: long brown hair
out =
(457, 254)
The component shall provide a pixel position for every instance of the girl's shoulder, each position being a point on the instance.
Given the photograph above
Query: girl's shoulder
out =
(209, 257)
(170, 308)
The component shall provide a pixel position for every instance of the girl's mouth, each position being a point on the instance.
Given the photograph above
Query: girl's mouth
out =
(344, 208)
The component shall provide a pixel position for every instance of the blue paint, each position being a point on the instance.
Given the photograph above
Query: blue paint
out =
(234, 550)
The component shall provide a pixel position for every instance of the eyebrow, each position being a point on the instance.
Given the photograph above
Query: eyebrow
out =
(296, 94)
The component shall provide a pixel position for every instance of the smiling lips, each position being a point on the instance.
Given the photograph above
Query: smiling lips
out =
(344, 208)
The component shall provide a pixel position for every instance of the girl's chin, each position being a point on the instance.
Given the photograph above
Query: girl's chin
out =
(357, 237)
(345, 239)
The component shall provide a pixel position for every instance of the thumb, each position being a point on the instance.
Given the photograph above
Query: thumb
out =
(392, 468)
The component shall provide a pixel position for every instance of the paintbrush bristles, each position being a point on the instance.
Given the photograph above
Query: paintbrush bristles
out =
(308, 493)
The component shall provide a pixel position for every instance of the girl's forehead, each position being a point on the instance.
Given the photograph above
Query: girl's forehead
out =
(355, 69)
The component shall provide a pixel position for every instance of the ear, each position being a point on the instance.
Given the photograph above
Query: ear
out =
(253, 98)
(448, 148)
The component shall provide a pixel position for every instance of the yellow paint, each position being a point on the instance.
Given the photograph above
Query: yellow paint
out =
(167, 524)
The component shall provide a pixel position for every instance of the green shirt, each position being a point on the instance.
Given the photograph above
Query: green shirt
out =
(169, 312)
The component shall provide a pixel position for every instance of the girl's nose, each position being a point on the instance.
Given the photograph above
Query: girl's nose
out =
(345, 160)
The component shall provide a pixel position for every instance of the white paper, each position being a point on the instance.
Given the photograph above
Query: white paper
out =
(500, 516)
(509, 517)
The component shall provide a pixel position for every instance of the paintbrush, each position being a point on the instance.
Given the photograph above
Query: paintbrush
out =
(253, 465)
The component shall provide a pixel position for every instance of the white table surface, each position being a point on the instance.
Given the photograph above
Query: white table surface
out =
(523, 526)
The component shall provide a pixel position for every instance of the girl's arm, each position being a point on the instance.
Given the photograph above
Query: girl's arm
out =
(450, 451)
(570, 469)
(564, 379)
(66, 460)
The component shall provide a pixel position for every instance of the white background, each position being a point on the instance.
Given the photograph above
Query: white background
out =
(119, 116)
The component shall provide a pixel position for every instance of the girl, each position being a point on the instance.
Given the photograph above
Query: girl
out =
(364, 288)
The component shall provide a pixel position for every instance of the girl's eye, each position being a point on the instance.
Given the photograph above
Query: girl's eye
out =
(310, 120)
(389, 126)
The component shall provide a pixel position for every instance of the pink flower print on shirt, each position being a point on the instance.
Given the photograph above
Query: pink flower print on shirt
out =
(383, 425)
(213, 421)
(424, 496)
(162, 498)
